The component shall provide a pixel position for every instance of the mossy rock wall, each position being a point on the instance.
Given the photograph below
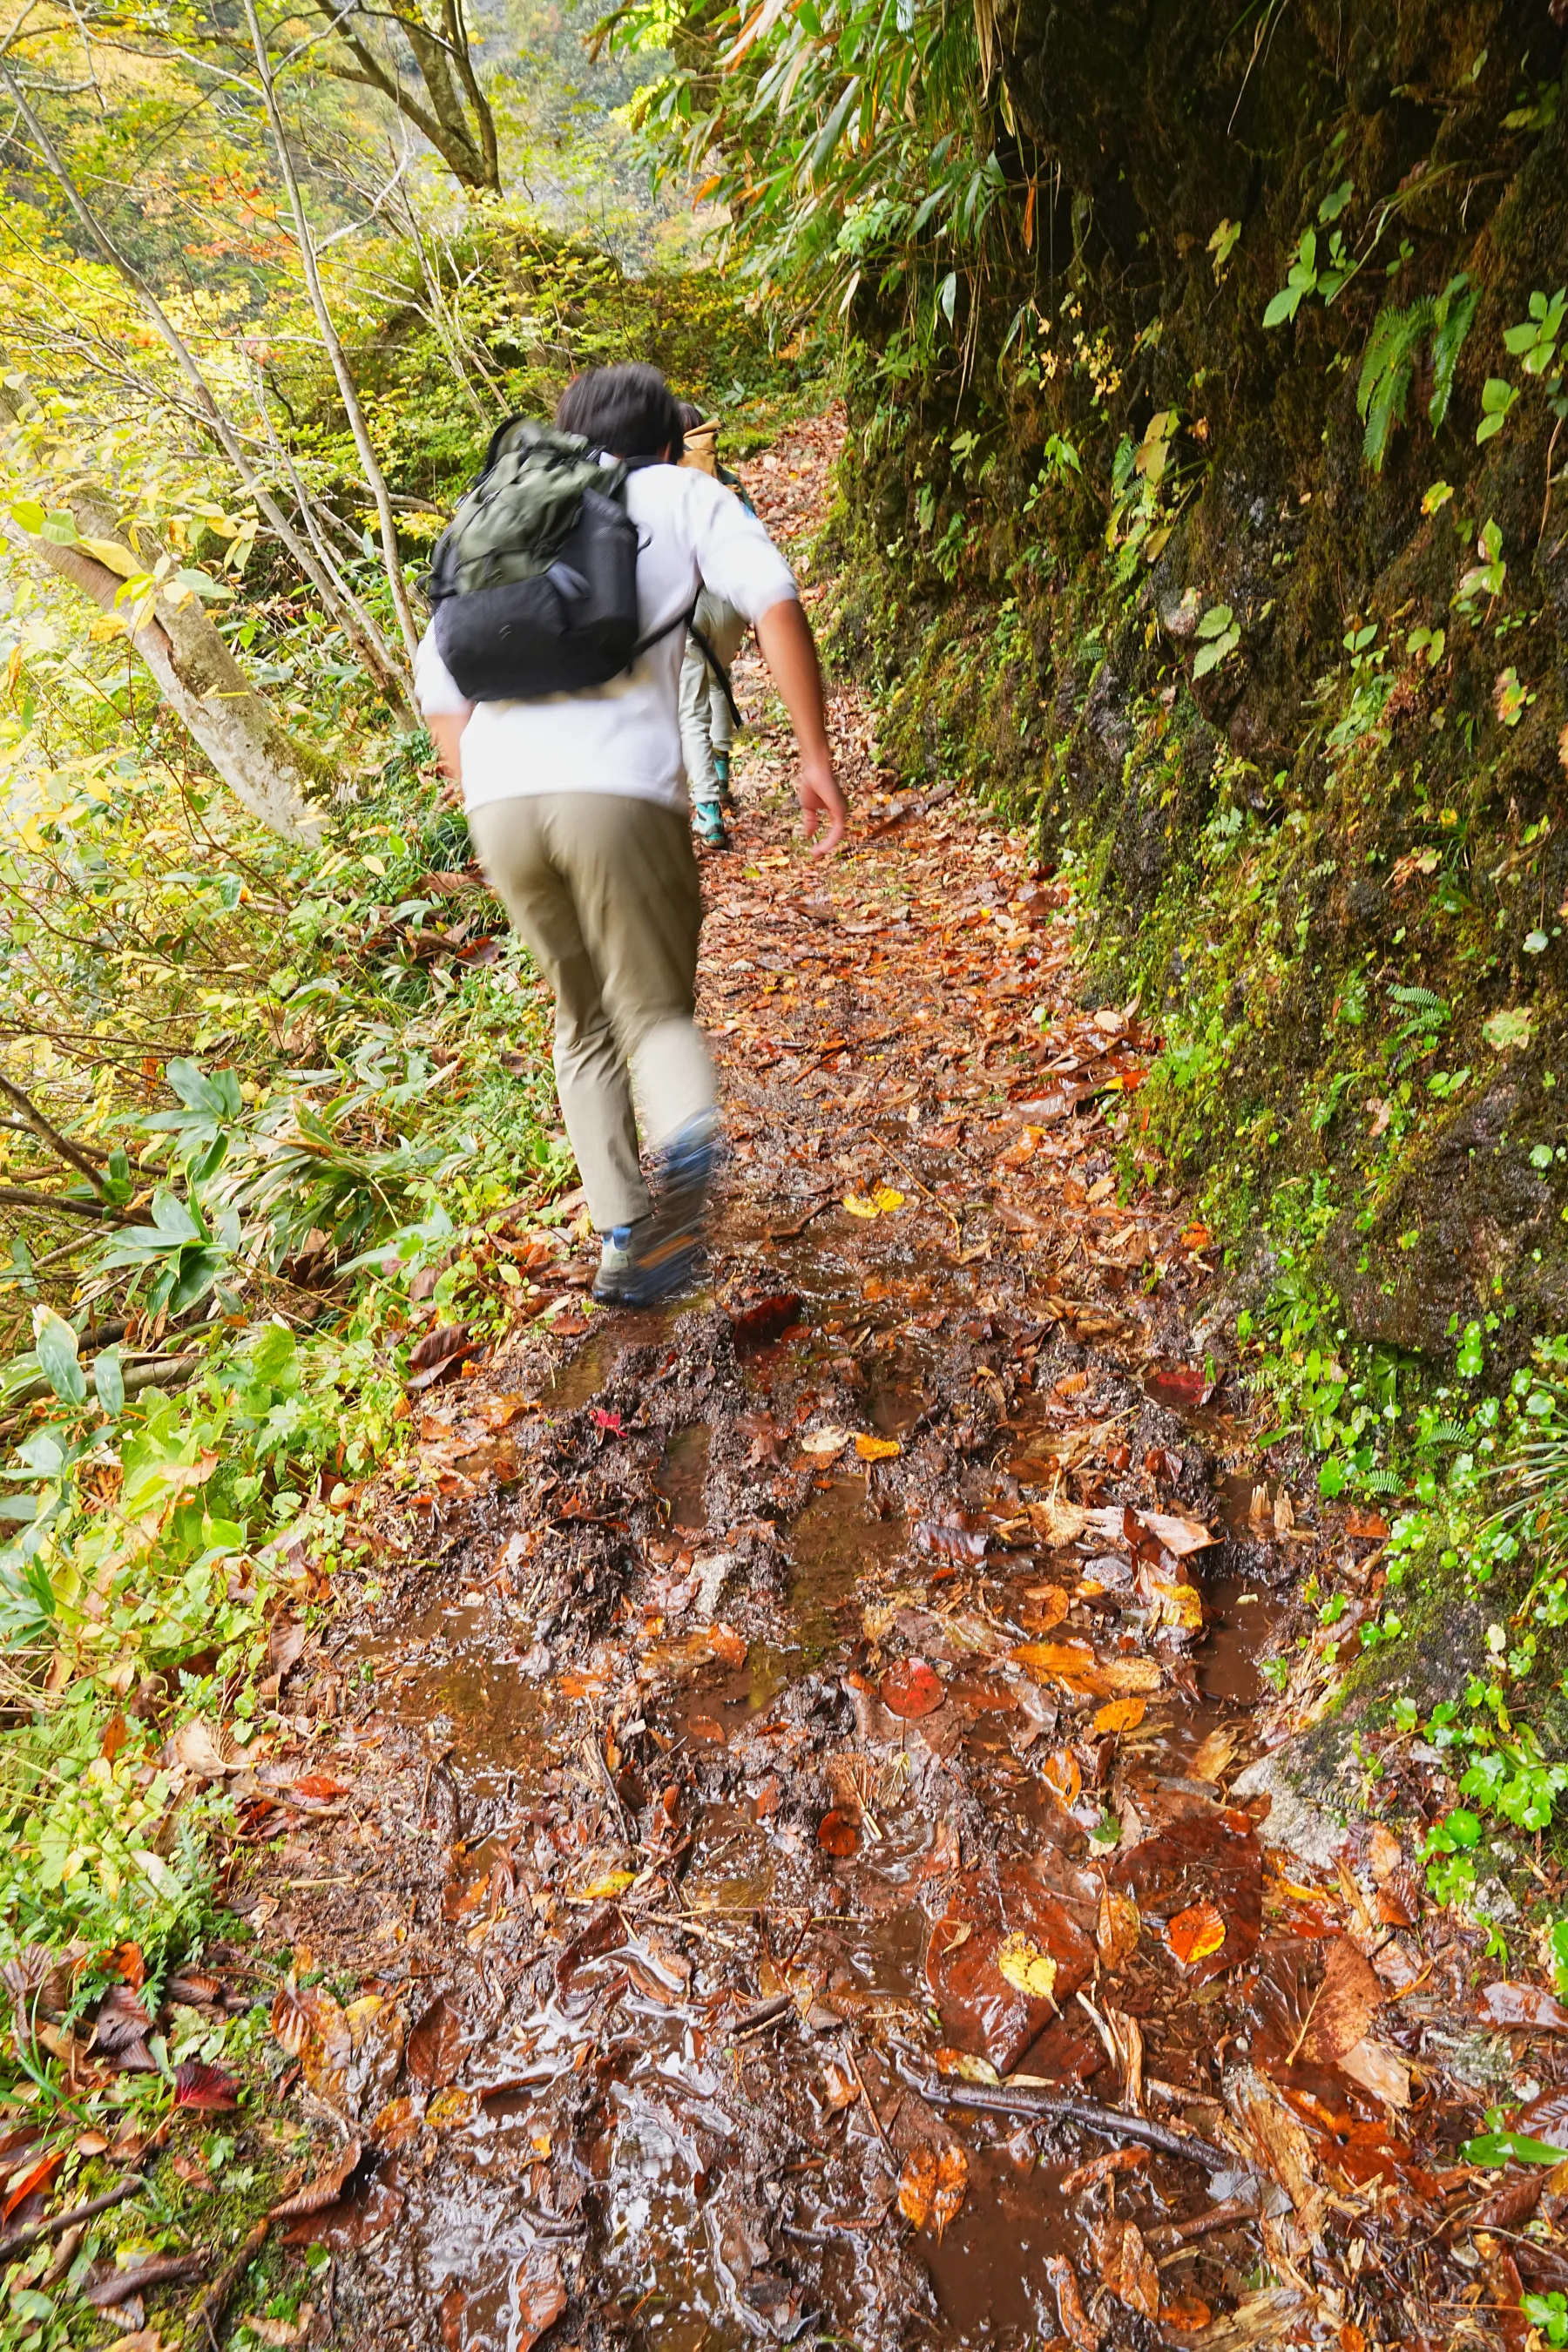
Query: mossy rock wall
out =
(1331, 860)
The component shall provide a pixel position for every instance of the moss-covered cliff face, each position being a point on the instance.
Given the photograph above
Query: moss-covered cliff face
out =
(1261, 622)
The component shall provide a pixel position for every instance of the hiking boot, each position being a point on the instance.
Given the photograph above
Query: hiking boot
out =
(641, 1264)
(707, 823)
(617, 1257)
(721, 770)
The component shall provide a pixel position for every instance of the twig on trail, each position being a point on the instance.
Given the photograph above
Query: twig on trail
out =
(870, 2104)
(18, 2241)
(1110, 2122)
(1219, 2216)
(757, 2020)
(793, 1233)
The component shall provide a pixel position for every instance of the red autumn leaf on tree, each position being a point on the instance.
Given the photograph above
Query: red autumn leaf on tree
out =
(912, 1688)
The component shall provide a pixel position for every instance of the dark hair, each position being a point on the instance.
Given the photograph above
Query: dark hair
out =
(628, 410)
(691, 416)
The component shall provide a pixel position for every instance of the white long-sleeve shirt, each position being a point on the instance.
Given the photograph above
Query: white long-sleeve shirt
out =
(624, 737)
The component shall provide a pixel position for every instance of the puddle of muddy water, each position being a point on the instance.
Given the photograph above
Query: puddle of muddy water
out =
(840, 1551)
(452, 1671)
(683, 1475)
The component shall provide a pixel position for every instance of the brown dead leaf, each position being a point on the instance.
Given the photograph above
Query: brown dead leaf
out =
(324, 2191)
(1383, 1854)
(1076, 2324)
(1380, 2070)
(1045, 1606)
(1213, 1757)
(1347, 2001)
(199, 1747)
(436, 2044)
(1126, 2265)
(1101, 2168)
(540, 2294)
(1117, 1929)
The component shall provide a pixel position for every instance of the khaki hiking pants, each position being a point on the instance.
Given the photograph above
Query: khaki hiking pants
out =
(705, 726)
(604, 890)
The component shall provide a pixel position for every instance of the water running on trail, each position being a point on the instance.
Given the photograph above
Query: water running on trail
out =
(789, 1851)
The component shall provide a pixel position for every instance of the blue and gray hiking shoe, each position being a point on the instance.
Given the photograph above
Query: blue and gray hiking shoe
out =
(721, 770)
(707, 823)
(641, 1264)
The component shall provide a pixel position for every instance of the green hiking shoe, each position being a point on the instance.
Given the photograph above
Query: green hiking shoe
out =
(707, 823)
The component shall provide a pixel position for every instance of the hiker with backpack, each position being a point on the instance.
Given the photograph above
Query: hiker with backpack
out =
(709, 712)
(549, 677)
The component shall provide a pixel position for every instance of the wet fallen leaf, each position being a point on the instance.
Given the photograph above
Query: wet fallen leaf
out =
(825, 1443)
(1022, 1964)
(967, 2067)
(1127, 2267)
(1101, 2168)
(1117, 1929)
(932, 2185)
(839, 2086)
(1196, 1934)
(951, 1542)
(205, 2088)
(315, 1790)
(499, 1412)
(1045, 1605)
(1521, 2005)
(911, 1689)
(1076, 2324)
(1213, 1756)
(877, 1449)
(436, 2044)
(325, 2189)
(1348, 1999)
(1056, 1521)
(1121, 1715)
(457, 2105)
(1186, 2314)
(1175, 1604)
(769, 1320)
(1063, 1776)
(838, 1833)
(706, 1728)
(880, 1203)
(1379, 2070)
(1178, 1535)
(540, 2298)
(398, 2122)
(730, 1648)
(600, 1885)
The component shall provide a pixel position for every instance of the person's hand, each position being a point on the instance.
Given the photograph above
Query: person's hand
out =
(822, 803)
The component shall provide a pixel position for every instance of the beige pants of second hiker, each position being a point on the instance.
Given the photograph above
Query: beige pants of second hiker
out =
(605, 891)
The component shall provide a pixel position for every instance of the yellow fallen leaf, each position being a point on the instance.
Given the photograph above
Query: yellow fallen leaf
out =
(1026, 1969)
(968, 2069)
(1177, 1605)
(597, 1890)
(1121, 1715)
(454, 2106)
(877, 1449)
(880, 1202)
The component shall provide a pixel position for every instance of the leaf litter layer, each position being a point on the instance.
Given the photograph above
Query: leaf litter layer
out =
(767, 1860)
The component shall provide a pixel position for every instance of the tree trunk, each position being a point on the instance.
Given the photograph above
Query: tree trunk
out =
(445, 65)
(200, 679)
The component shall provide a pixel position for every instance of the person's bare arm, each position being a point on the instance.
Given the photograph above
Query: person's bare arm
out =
(447, 733)
(789, 651)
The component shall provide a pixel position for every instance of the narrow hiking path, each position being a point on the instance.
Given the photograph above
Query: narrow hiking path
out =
(771, 1723)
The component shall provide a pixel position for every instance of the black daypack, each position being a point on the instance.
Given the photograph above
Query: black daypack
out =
(533, 581)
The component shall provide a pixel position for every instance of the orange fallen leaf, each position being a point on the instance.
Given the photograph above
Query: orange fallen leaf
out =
(1121, 1715)
(932, 2185)
(838, 1833)
(1186, 2314)
(1062, 1776)
(877, 1449)
(1196, 1934)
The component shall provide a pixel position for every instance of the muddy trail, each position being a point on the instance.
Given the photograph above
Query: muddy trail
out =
(763, 1852)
